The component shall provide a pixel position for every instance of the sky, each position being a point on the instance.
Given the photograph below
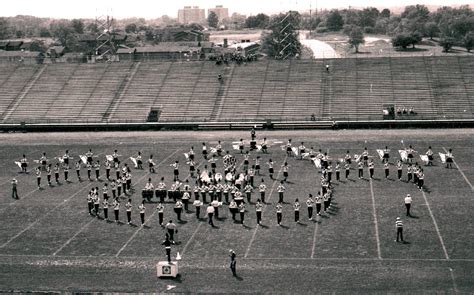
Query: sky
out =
(150, 9)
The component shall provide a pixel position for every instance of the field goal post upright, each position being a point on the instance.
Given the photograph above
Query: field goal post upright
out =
(286, 28)
(105, 49)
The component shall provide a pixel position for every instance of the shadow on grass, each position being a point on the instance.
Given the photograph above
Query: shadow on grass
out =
(284, 226)
(302, 224)
(264, 226)
(238, 278)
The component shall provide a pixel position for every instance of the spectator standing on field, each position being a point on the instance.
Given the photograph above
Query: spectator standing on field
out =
(408, 201)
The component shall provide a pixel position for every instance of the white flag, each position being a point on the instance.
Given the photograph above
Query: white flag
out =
(109, 158)
(403, 155)
(357, 158)
(83, 158)
(218, 177)
(241, 177)
(60, 159)
(283, 147)
(304, 155)
(186, 155)
(205, 176)
(381, 153)
(317, 162)
(18, 164)
(259, 147)
(443, 157)
(229, 176)
(295, 150)
(424, 159)
(36, 161)
(278, 142)
(134, 160)
(235, 146)
(213, 150)
(178, 257)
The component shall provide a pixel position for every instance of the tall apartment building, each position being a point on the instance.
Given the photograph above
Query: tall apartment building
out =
(191, 14)
(220, 11)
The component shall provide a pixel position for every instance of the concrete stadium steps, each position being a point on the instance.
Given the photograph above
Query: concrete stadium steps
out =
(44, 92)
(341, 83)
(76, 93)
(176, 93)
(412, 85)
(274, 90)
(244, 92)
(466, 65)
(15, 80)
(205, 94)
(449, 89)
(142, 92)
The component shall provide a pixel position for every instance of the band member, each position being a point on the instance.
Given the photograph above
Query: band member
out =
(246, 161)
(399, 169)
(116, 205)
(371, 168)
(241, 146)
(219, 148)
(386, 155)
(410, 152)
(139, 161)
(108, 166)
(318, 201)
(281, 189)
(90, 201)
(285, 171)
(449, 159)
(191, 154)
(115, 156)
(264, 146)
(215, 204)
(258, 210)
(386, 168)
(253, 134)
(142, 209)
(192, 168)
(48, 174)
(161, 190)
(38, 176)
(347, 166)
(167, 243)
(262, 188)
(96, 202)
(329, 173)
(296, 206)
(66, 172)
(89, 170)
(242, 212)
(429, 153)
(66, 157)
(288, 148)
(24, 164)
(348, 158)
(257, 166)
(399, 227)
(213, 161)
(105, 208)
(128, 208)
(204, 150)
(338, 171)
(89, 156)
(44, 162)
(279, 212)
(301, 150)
(178, 208)
(197, 205)
(14, 183)
(151, 164)
(78, 170)
(270, 168)
(117, 171)
(421, 179)
(326, 201)
(97, 170)
(233, 208)
(409, 172)
(365, 156)
(210, 214)
(160, 208)
(408, 201)
(310, 205)
(360, 166)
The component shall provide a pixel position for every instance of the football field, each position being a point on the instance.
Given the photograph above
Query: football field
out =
(49, 242)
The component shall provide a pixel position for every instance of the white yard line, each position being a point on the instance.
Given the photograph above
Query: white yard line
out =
(374, 213)
(265, 206)
(191, 238)
(436, 226)
(455, 286)
(72, 238)
(460, 171)
(316, 229)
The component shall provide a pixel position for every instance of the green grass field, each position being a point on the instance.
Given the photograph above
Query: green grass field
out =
(48, 242)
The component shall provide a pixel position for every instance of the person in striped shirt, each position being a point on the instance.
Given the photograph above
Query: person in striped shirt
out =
(399, 227)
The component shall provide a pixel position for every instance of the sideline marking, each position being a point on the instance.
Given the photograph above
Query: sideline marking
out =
(436, 226)
(374, 213)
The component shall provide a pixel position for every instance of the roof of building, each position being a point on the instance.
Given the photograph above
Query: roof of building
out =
(159, 48)
(4, 53)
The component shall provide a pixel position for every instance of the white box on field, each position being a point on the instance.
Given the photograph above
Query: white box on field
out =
(165, 269)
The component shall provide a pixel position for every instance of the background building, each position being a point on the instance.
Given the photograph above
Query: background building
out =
(191, 14)
(220, 11)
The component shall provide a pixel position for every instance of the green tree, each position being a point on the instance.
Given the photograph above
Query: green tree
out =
(402, 40)
(385, 13)
(4, 34)
(78, 26)
(131, 28)
(260, 21)
(282, 42)
(447, 43)
(431, 29)
(212, 19)
(356, 37)
(368, 17)
(63, 32)
(468, 41)
(334, 20)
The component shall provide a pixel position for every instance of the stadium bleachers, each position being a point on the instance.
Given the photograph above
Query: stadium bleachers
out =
(354, 89)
